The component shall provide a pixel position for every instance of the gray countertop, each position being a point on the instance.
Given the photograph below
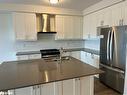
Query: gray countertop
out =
(19, 74)
(65, 50)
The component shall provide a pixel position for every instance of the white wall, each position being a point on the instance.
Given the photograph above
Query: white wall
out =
(7, 51)
(92, 44)
(9, 47)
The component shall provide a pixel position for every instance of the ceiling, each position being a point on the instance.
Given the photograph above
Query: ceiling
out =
(71, 4)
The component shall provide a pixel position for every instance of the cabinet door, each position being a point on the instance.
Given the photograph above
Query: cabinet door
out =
(107, 16)
(93, 26)
(100, 18)
(90, 26)
(30, 26)
(25, 26)
(59, 27)
(86, 58)
(68, 27)
(76, 54)
(87, 85)
(19, 26)
(77, 86)
(24, 91)
(124, 13)
(23, 57)
(77, 27)
(68, 87)
(34, 56)
(36, 90)
(96, 61)
(86, 27)
(117, 16)
(48, 89)
(11, 92)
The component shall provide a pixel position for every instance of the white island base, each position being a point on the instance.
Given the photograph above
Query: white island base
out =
(77, 86)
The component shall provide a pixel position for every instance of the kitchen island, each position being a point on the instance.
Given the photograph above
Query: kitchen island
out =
(68, 76)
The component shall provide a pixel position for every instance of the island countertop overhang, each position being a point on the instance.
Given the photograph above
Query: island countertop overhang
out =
(18, 74)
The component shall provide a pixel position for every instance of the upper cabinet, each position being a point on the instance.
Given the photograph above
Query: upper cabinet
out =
(25, 26)
(117, 14)
(112, 16)
(69, 27)
(90, 26)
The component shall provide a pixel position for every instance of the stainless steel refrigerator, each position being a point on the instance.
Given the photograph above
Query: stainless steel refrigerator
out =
(113, 56)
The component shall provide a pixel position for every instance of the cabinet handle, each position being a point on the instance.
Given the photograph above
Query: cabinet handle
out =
(38, 86)
(77, 79)
(33, 87)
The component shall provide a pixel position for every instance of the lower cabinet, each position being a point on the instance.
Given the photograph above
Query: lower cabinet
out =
(77, 86)
(90, 59)
(48, 89)
(75, 54)
(24, 91)
(26, 57)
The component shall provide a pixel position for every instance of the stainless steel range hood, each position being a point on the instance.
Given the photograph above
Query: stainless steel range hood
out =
(46, 23)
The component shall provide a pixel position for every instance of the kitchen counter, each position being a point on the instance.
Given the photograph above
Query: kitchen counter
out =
(65, 50)
(28, 53)
(19, 74)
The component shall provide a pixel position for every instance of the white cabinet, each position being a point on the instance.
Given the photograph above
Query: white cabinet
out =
(24, 91)
(68, 27)
(111, 16)
(86, 27)
(77, 86)
(106, 19)
(48, 89)
(76, 54)
(36, 90)
(26, 57)
(90, 59)
(68, 87)
(22, 57)
(117, 14)
(90, 26)
(34, 56)
(25, 26)
(124, 12)
(87, 85)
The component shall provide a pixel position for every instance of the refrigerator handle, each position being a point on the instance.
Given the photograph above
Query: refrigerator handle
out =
(111, 45)
(113, 69)
(108, 43)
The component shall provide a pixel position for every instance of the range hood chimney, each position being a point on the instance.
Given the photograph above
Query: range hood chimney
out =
(46, 23)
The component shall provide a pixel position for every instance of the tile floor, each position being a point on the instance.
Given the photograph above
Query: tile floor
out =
(101, 89)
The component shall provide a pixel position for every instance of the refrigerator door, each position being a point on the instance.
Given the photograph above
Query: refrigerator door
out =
(118, 47)
(105, 46)
(112, 78)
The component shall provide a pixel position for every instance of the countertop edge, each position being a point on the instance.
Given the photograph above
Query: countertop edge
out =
(65, 50)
